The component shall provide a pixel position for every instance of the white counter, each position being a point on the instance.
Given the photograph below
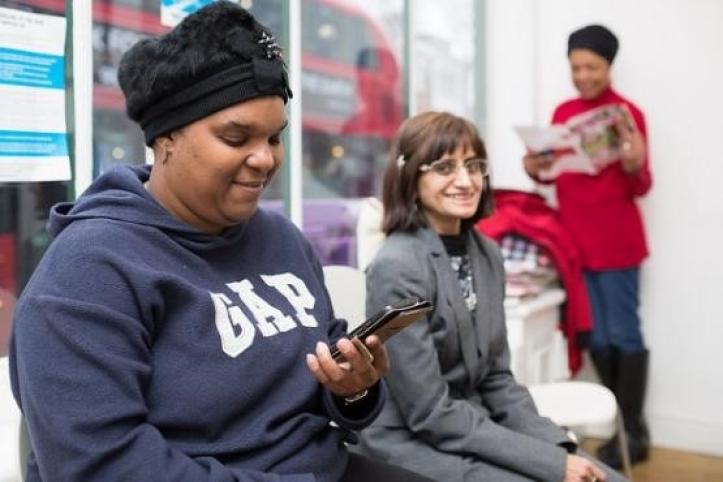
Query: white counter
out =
(538, 349)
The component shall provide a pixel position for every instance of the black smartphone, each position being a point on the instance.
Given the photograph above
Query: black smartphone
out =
(389, 321)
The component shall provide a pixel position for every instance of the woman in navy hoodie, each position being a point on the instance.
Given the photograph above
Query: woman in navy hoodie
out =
(173, 330)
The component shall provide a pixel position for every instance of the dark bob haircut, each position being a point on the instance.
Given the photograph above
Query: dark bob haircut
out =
(423, 139)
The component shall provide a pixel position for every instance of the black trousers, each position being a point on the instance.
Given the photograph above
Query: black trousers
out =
(365, 469)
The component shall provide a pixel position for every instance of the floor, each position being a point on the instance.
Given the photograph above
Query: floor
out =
(666, 465)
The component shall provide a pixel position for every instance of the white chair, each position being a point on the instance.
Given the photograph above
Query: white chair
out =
(369, 235)
(9, 429)
(582, 407)
(348, 291)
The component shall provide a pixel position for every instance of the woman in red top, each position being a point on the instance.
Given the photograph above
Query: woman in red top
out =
(601, 213)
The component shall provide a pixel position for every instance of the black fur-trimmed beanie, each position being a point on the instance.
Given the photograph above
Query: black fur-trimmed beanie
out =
(215, 58)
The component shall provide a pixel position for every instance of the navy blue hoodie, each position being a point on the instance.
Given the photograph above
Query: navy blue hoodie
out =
(146, 350)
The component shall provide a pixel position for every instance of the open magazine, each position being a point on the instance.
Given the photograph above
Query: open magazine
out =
(586, 143)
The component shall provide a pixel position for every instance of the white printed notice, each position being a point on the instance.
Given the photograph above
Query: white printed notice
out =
(33, 133)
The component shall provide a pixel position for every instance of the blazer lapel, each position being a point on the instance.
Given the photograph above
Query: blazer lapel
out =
(448, 278)
(480, 273)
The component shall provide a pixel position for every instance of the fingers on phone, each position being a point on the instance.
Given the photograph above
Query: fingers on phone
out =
(372, 341)
(371, 345)
(356, 354)
(375, 345)
(315, 367)
(327, 365)
(346, 347)
(363, 350)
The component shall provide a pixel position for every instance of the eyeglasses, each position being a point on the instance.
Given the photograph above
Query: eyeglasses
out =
(450, 167)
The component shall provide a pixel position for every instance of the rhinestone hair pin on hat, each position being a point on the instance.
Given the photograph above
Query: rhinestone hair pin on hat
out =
(268, 41)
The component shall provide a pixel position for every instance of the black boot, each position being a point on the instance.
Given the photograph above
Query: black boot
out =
(605, 362)
(632, 369)
(605, 366)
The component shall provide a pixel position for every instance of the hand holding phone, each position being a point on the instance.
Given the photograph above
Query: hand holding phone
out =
(389, 321)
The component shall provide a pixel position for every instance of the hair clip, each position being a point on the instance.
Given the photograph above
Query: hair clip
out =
(401, 161)
(268, 42)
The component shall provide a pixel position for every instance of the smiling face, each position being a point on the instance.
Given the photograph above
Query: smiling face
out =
(447, 200)
(211, 173)
(590, 73)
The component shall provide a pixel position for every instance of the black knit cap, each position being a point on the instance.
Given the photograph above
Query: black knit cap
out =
(215, 58)
(596, 38)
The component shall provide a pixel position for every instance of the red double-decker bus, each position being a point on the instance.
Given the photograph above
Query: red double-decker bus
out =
(351, 98)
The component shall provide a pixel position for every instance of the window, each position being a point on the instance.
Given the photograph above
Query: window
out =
(444, 53)
(352, 106)
(24, 210)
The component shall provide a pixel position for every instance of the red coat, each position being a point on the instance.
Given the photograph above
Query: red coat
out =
(527, 214)
(600, 211)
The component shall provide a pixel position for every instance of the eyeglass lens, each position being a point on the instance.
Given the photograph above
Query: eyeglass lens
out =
(447, 167)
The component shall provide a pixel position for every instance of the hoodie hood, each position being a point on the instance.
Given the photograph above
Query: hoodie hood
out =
(119, 195)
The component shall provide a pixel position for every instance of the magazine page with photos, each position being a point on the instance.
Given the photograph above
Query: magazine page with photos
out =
(586, 143)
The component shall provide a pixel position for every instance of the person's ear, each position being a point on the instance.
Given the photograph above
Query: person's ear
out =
(163, 148)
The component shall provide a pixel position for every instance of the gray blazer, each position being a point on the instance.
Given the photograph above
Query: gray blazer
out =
(455, 412)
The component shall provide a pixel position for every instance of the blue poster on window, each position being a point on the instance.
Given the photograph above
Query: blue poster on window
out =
(173, 11)
(33, 132)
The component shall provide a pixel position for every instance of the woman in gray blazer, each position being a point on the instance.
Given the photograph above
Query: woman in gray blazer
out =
(456, 412)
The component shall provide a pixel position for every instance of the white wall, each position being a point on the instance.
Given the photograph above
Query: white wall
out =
(671, 64)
